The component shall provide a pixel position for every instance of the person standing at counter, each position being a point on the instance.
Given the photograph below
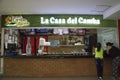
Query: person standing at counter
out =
(99, 60)
(114, 52)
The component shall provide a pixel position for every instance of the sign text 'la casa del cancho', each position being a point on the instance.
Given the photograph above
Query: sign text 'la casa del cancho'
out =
(56, 21)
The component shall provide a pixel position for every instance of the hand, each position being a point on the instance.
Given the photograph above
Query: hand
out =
(107, 49)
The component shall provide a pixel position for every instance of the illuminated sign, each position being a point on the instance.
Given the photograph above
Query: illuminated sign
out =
(17, 21)
(69, 20)
(56, 20)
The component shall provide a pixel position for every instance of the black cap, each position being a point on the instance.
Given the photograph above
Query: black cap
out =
(109, 44)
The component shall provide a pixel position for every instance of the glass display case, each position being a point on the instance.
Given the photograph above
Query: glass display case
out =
(65, 42)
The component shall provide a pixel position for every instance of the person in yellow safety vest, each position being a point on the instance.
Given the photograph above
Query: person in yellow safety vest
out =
(98, 52)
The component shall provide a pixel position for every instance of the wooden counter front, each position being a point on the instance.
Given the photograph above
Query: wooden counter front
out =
(45, 67)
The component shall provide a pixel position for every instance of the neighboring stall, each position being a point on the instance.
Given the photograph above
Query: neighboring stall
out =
(54, 45)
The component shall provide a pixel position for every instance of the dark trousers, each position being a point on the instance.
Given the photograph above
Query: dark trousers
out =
(99, 66)
(115, 65)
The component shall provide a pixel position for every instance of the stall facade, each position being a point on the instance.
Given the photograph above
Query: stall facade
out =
(54, 45)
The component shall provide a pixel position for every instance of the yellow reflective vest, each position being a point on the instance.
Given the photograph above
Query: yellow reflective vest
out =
(99, 54)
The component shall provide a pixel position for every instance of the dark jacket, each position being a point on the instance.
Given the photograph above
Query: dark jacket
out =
(114, 52)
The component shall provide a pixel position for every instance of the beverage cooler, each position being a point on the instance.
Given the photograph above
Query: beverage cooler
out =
(45, 48)
(32, 43)
(28, 45)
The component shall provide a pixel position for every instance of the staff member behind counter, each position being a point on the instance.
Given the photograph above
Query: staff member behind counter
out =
(114, 52)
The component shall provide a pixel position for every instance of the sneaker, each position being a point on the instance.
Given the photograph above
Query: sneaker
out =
(100, 78)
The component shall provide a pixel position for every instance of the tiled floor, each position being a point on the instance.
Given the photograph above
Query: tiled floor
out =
(58, 78)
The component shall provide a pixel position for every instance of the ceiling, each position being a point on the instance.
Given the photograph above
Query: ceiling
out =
(110, 9)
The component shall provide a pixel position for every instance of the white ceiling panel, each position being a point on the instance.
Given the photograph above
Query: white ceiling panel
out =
(56, 6)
